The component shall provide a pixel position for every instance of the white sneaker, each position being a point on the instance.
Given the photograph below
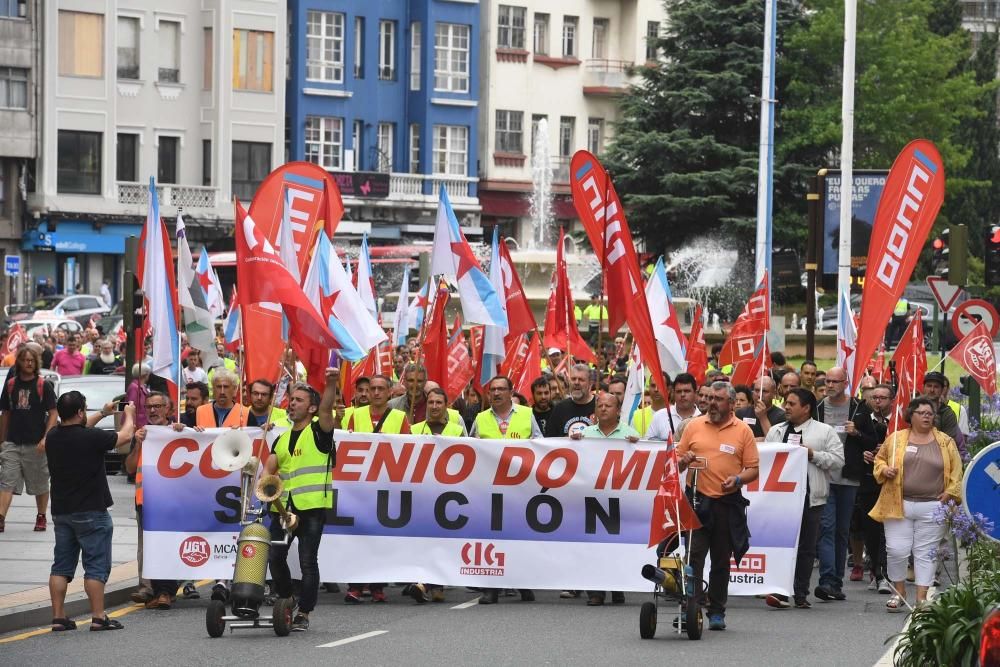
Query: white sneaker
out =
(569, 594)
(884, 587)
(872, 584)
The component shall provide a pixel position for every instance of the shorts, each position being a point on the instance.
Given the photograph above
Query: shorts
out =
(23, 467)
(86, 532)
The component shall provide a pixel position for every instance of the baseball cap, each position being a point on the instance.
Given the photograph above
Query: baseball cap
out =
(935, 376)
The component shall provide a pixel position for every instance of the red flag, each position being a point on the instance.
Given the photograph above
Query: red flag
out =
(15, 338)
(315, 204)
(671, 511)
(746, 346)
(459, 362)
(909, 204)
(697, 352)
(910, 359)
(263, 278)
(878, 368)
(530, 368)
(560, 320)
(603, 218)
(520, 317)
(436, 339)
(476, 346)
(975, 354)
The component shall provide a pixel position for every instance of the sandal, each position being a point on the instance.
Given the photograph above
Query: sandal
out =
(62, 624)
(896, 604)
(101, 624)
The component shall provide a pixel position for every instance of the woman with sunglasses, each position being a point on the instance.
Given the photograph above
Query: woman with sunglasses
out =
(919, 468)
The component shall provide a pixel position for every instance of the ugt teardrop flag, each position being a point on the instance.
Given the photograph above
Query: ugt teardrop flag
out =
(911, 199)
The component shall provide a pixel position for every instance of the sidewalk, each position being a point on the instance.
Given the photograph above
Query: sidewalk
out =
(26, 558)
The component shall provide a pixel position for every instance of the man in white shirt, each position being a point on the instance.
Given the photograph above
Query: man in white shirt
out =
(666, 421)
(193, 372)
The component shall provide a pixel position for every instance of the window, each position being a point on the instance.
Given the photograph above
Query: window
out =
(166, 160)
(359, 47)
(78, 169)
(387, 50)
(357, 140)
(569, 36)
(535, 120)
(509, 131)
(384, 144)
(541, 34)
(81, 44)
(128, 47)
(416, 33)
(451, 150)
(599, 49)
(414, 149)
(325, 46)
(14, 9)
(567, 127)
(652, 34)
(169, 55)
(13, 88)
(253, 62)
(251, 164)
(595, 135)
(325, 141)
(451, 57)
(127, 158)
(206, 162)
(510, 27)
(207, 59)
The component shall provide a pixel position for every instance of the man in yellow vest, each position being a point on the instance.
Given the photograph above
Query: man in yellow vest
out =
(504, 420)
(454, 416)
(439, 420)
(261, 394)
(376, 417)
(303, 457)
(596, 316)
(643, 417)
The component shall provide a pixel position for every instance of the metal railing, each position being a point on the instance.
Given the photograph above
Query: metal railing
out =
(415, 185)
(181, 196)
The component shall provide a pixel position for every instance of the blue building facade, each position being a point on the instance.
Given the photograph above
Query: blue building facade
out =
(384, 95)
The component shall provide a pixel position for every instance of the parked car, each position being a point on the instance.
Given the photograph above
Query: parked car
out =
(51, 376)
(33, 325)
(99, 390)
(79, 307)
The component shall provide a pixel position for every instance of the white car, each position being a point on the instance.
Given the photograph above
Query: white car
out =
(79, 307)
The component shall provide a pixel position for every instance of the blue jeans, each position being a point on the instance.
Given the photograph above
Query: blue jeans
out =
(86, 532)
(835, 529)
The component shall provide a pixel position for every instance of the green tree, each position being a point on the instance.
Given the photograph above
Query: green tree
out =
(684, 156)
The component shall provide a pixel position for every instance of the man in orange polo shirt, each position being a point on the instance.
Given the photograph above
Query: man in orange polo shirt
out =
(731, 460)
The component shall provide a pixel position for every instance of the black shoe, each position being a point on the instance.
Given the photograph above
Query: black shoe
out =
(824, 594)
(190, 592)
(489, 597)
(418, 592)
(527, 595)
(617, 597)
(300, 623)
(802, 603)
(839, 595)
(220, 593)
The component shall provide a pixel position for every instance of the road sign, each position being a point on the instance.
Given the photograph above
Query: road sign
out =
(945, 294)
(981, 487)
(12, 265)
(970, 313)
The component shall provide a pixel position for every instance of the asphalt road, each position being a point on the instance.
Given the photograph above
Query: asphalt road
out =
(548, 631)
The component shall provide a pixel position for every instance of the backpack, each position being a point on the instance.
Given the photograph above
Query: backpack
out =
(41, 387)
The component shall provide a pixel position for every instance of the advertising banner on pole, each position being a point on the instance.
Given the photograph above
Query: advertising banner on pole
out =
(546, 514)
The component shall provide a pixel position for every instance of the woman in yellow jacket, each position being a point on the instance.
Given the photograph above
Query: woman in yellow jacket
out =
(919, 468)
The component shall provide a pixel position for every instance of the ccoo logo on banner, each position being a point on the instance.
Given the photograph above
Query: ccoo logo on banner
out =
(546, 513)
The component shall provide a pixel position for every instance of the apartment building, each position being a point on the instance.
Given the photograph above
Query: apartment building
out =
(191, 92)
(566, 62)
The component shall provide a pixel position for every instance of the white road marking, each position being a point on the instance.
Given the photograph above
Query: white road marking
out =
(355, 638)
(465, 605)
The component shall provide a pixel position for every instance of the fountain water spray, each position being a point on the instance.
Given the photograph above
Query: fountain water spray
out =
(541, 194)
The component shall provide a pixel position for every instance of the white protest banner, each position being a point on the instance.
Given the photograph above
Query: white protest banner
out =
(551, 513)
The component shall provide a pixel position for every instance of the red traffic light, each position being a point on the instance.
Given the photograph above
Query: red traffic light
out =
(995, 235)
(939, 243)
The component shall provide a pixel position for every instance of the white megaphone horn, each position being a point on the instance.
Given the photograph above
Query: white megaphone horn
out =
(232, 450)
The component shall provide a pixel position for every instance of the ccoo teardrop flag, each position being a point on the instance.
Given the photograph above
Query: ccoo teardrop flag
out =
(910, 201)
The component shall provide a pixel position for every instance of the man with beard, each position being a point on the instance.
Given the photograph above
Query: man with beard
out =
(541, 395)
(577, 411)
(105, 361)
(261, 393)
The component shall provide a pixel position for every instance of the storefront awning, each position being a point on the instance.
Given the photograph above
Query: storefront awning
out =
(77, 236)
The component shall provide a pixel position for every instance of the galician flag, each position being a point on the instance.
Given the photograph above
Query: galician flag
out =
(209, 281)
(199, 324)
(419, 305)
(366, 281)
(161, 294)
(401, 320)
(847, 336)
(452, 256)
(494, 350)
(670, 341)
(317, 288)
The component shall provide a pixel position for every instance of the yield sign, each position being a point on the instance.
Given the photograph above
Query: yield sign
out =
(945, 294)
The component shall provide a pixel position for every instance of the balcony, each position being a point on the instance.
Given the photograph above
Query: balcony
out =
(184, 197)
(560, 169)
(423, 189)
(606, 78)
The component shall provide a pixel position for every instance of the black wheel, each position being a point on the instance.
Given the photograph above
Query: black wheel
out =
(282, 618)
(213, 618)
(647, 620)
(693, 619)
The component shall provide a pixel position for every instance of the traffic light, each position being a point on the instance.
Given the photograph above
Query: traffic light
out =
(939, 263)
(993, 256)
(958, 255)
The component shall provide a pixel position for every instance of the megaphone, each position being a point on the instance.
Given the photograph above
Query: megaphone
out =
(232, 450)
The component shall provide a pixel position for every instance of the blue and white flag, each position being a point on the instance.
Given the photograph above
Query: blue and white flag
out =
(160, 297)
(401, 320)
(634, 387)
(671, 343)
(366, 281)
(494, 350)
(452, 256)
(419, 305)
(319, 289)
(847, 337)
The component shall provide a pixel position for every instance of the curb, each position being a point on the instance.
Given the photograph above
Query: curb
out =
(35, 614)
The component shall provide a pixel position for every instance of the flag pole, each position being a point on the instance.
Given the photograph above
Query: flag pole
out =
(420, 341)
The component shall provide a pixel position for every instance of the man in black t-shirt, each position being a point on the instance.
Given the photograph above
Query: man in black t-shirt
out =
(28, 403)
(576, 412)
(80, 501)
(541, 401)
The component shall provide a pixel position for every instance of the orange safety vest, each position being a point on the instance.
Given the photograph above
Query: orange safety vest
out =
(205, 416)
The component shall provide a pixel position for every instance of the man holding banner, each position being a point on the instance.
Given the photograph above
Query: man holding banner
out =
(729, 451)
(304, 457)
